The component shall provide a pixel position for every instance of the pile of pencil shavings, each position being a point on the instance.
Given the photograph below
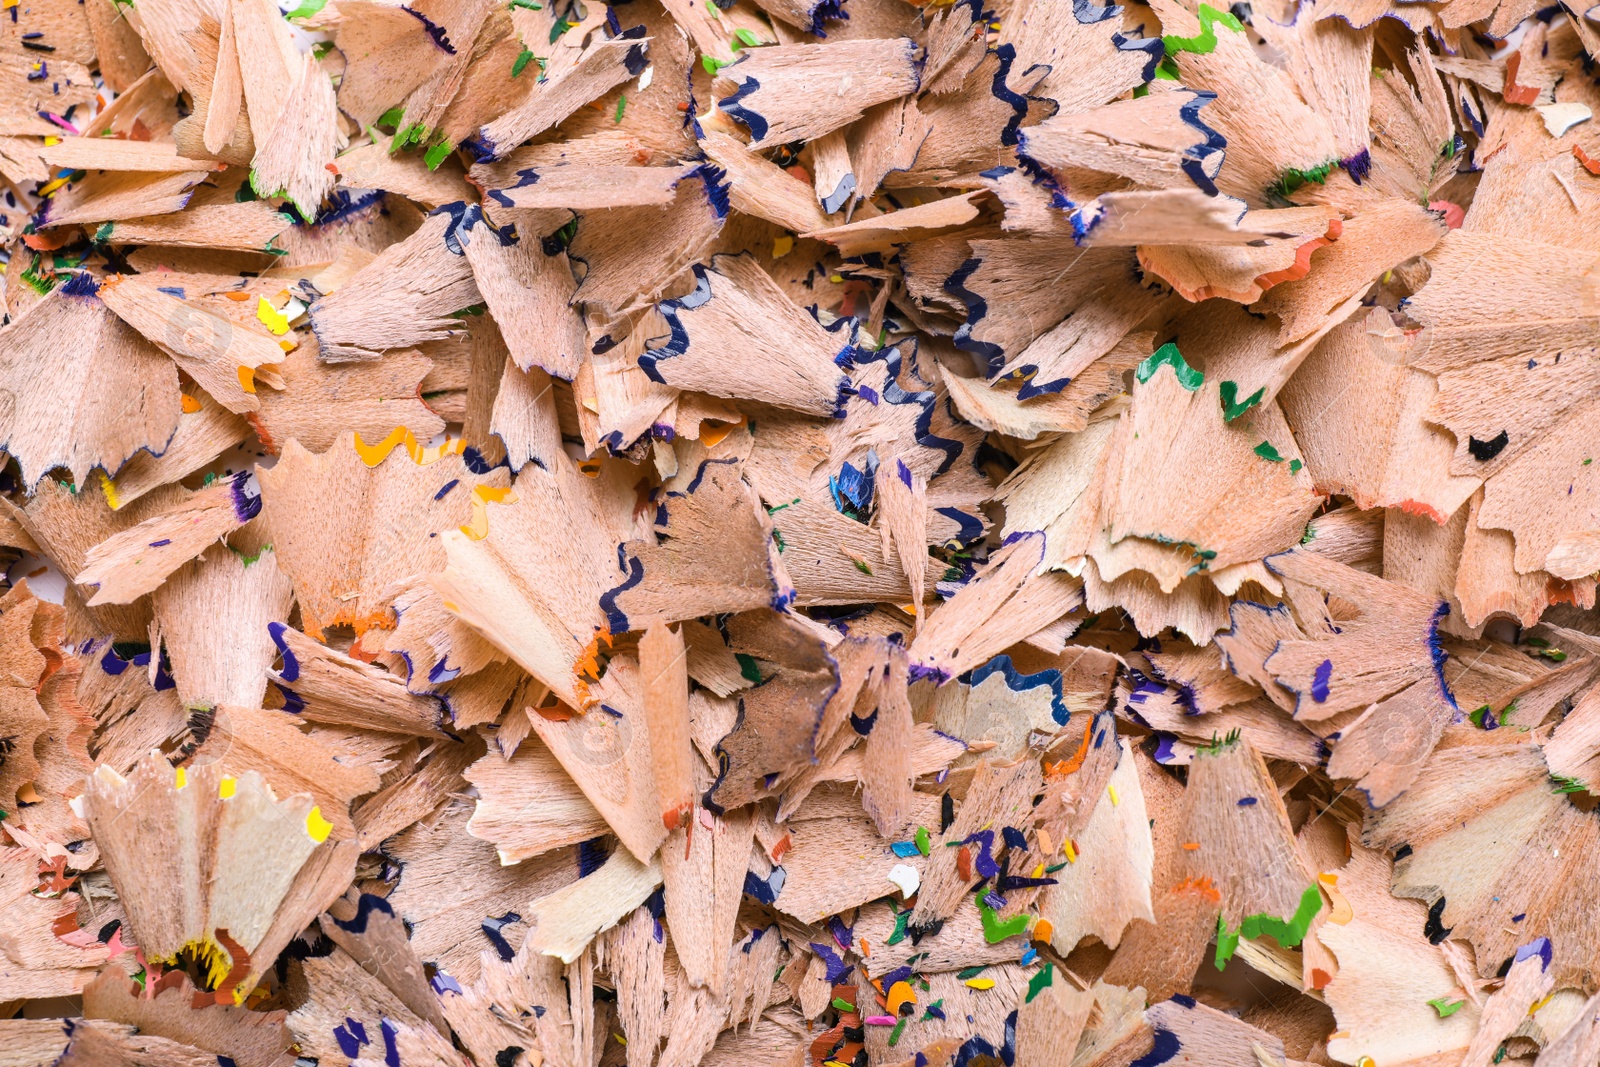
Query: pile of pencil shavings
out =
(799, 533)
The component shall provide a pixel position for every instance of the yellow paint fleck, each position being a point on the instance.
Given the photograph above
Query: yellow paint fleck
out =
(400, 436)
(317, 827)
(782, 246)
(980, 983)
(109, 488)
(272, 318)
(182, 778)
(482, 496)
(227, 787)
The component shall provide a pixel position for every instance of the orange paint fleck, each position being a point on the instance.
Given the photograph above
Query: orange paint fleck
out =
(49, 242)
(1417, 507)
(675, 818)
(1514, 93)
(561, 713)
(1203, 886)
(1063, 768)
(1302, 257)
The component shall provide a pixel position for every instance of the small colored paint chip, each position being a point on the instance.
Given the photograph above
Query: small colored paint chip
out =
(1445, 1007)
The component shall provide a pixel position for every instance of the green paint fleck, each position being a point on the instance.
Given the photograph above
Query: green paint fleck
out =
(746, 38)
(306, 9)
(962, 975)
(527, 5)
(1169, 356)
(713, 64)
(1286, 932)
(1295, 466)
(922, 840)
(900, 921)
(438, 154)
(1476, 717)
(622, 104)
(1232, 407)
(561, 26)
(391, 117)
(894, 1035)
(1564, 784)
(410, 137)
(1040, 982)
(928, 1013)
(103, 234)
(1267, 452)
(40, 282)
(1219, 743)
(1445, 1007)
(749, 669)
(843, 1004)
(996, 930)
(1204, 42)
(522, 62)
(320, 50)
(777, 539)
(861, 565)
(1293, 178)
(247, 560)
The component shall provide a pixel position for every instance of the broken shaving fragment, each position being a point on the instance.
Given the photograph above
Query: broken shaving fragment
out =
(736, 306)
